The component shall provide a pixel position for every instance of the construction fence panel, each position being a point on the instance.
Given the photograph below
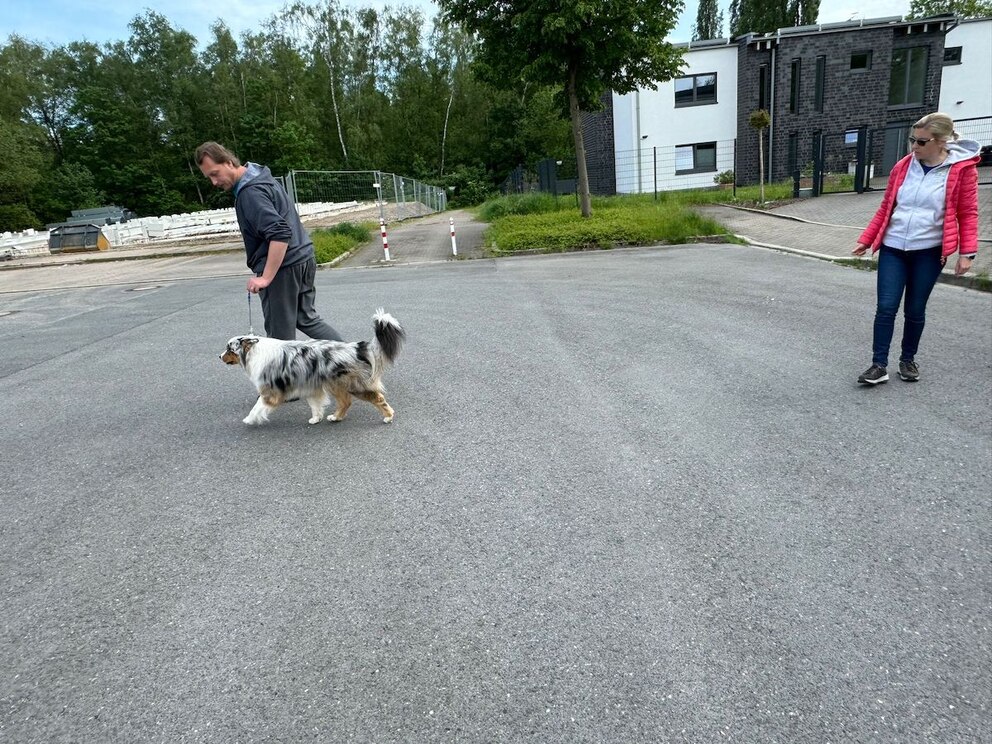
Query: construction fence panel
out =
(374, 195)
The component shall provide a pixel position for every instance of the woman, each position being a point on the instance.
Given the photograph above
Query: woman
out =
(929, 211)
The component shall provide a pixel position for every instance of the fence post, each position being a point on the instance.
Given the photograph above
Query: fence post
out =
(454, 245)
(859, 168)
(818, 168)
(734, 189)
(870, 150)
(377, 185)
(291, 186)
(654, 169)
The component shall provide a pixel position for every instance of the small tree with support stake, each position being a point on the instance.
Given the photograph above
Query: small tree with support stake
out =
(760, 120)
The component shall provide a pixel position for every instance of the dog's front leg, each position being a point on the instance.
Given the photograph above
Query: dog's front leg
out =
(259, 414)
(317, 404)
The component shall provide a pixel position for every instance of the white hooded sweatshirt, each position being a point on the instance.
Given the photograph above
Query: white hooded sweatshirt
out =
(917, 221)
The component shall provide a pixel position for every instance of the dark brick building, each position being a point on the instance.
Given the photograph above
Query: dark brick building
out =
(828, 82)
(834, 83)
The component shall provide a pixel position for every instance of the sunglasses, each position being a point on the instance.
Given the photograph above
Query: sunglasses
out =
(919, 141)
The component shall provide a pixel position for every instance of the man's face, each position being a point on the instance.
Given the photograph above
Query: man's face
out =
(221, 175)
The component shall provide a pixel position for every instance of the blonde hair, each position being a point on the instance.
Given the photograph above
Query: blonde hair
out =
(939, 124)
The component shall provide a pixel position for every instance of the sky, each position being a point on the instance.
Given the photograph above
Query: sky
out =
(57, 22)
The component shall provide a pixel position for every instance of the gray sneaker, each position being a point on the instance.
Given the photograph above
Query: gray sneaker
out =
(874, 375)
(909, 371)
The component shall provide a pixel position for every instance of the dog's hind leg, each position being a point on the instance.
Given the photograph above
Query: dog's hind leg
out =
(379, 401)
(317, 401)
(343, 399)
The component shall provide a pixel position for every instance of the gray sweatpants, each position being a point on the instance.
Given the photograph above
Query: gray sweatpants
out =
(287, 304)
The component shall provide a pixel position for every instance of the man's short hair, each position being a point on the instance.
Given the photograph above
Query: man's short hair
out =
(216, 152)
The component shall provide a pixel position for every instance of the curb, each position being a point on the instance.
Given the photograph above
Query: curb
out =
(977, 283)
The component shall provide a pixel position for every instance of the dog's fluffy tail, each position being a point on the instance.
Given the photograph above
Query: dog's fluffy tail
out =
(389, 335)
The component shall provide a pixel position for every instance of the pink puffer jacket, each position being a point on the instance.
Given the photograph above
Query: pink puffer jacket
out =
(960, 214)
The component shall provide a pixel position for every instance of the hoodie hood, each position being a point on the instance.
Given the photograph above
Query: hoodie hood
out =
(962, 149)
(253, 172)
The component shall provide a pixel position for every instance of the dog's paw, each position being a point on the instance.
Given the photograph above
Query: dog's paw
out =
(250, 421)
(334, 418)
(388, 420)
(315, 419)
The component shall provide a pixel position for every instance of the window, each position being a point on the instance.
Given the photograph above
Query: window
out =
(861, 60)
(821, 74)
(698, 158)
(952, 55)
(909, 76)
(794, 86)
(763, 87)
(851, 137)
(695, 90)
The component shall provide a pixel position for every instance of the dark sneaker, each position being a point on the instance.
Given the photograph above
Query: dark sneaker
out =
(874, 375)
(909, 371)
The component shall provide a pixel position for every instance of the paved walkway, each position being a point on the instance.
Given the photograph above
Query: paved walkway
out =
(829, 225)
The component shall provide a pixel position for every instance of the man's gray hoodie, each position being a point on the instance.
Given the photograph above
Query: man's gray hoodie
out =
(265, 213)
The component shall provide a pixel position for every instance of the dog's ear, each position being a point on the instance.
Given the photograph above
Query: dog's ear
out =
(247, 342)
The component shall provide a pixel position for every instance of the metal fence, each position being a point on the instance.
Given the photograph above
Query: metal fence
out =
(383, 195)
(860, 159)
(644, 171)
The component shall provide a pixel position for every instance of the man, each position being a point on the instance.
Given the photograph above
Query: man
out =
(277, 246)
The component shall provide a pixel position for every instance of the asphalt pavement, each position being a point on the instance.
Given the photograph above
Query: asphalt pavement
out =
(628, 496)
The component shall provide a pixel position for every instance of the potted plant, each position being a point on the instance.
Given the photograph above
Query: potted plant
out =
(724, 180)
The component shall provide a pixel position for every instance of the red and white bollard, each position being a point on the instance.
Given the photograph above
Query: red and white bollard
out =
(385, 243)
(454, 245)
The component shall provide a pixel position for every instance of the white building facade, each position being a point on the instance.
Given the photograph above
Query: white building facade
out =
(680, 135)
(966, 78)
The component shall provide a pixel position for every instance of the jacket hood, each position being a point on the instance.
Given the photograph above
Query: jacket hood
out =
(962, 149)
(254, 174)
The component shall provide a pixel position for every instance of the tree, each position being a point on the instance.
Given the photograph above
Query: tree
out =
(765, 16)
(582, 47)
(759, 121)
(709, 21)
(960, 8)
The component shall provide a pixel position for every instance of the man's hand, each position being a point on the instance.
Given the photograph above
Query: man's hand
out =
(258, 282)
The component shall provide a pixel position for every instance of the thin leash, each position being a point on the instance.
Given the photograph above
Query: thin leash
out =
(251, 328)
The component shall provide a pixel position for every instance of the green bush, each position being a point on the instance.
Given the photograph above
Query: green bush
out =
(615, 221)
(535, 202)
(17, 217)
(331, 242)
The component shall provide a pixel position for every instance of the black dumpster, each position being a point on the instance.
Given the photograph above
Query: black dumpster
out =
(73, 238)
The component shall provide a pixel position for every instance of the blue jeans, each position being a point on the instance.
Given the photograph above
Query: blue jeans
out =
(915, 272)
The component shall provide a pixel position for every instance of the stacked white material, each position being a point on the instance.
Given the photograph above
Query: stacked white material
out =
(212, 222)
(145, 230)
(125, 233)
(25, 243)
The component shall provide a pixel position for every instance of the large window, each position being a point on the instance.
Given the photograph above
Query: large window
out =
(797, 65)
(695, 90)
(909, 76)
(698, 158)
